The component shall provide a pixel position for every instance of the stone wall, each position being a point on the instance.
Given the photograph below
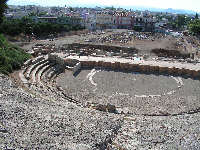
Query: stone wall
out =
(76, 65)
(73, 64)
(142, 68)
(55, 59)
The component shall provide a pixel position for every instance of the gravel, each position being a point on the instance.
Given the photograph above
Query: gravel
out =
(27, 122)
(172, 132)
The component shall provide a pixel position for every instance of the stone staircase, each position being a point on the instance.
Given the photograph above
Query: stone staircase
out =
(38, 77)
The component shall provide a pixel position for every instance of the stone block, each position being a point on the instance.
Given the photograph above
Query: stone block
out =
(92, 64)
(122, 66)
(117, 65)
(147, 68)
(100, 63)
(101, 107)
(111, 108)
(175, 71)
(108, 65)
(162, 69)
(184, 71)
(195, 74)
(96, 63)
(189, 72)
(142, 68)
(135, 67)
(112, 65)
(153, 69)
(129, 67)
(180, 71)
(156, 68)
(126, 66)
(104, 64)
(84, 63)
(170, 70)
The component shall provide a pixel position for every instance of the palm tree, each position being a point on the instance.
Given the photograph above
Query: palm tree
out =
(3, 6)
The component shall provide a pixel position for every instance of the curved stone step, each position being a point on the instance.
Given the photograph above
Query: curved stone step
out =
(52, 71)
(40, 73)
(27, 63)
(35, 71)
(54, 75)
(31, 68)
(38, 59)
(22, 77)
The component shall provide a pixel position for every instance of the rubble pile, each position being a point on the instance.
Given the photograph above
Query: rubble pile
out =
(170, 53)
(43, 49)
(103, 50)
(126, 37)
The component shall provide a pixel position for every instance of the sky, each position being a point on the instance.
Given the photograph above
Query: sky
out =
(175, 4)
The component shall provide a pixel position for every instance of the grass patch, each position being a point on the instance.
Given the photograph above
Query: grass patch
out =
(11, 56)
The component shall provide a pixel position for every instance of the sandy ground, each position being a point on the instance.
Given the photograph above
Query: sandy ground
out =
(139, 93)
(145, 45)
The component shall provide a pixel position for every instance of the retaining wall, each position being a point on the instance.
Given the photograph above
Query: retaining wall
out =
(174, 70)
(143, 68)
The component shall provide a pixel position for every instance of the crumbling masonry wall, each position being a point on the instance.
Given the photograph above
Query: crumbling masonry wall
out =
(140, 67)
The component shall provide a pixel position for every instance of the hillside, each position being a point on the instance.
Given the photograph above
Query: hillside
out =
(11, 57)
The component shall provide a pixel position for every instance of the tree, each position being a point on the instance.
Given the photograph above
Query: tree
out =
(3, 6)
(111, 8)
(71, 9)
(196, 16)
(181, 21)
(194, 27)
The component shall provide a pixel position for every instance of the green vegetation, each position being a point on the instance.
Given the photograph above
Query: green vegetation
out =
(27, 26)
(180, 22)
(11, 57)
(196, 16)
(176, 23)
(137, 28)
(3, 6)
(111, 8)
(194, 27)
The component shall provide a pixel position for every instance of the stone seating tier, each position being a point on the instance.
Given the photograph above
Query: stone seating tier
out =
(35, 71)
(32, 67)
(41, 72)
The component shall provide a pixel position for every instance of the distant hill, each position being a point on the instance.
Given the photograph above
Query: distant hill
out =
(178, 11)
(141, 8)
(169, 10)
